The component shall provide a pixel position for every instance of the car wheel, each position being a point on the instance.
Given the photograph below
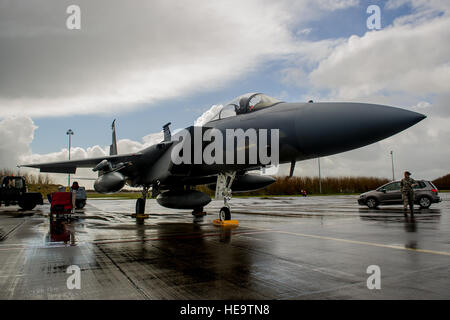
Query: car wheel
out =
(424, 202)
(27, 205)
(372, 203)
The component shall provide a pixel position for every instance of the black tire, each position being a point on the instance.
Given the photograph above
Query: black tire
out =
(424, 202)
(79, 204)
(27, 205)
(224, 214)
(140, 206)
(372, 203)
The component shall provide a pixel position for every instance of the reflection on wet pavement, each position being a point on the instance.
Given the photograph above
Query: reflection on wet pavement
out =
(283, 248)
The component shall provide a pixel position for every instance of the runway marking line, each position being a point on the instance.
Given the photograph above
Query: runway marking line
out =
(373, 244)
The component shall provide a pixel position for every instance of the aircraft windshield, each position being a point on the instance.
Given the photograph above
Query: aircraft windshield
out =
(246, 103)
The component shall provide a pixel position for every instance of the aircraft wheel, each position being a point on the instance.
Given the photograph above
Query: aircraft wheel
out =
(224, 214)
(140, 206)
(79, 204)
(198, 212)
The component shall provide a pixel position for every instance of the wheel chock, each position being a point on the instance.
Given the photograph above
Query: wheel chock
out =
(219, 222)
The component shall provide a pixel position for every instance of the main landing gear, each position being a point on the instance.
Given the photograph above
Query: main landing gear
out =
(198, 212)
(223, 191)
(140, 205)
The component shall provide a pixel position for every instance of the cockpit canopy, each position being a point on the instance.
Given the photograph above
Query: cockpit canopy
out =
(246, 103)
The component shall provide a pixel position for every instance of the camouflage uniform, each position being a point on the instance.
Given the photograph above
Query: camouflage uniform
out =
(406, 187)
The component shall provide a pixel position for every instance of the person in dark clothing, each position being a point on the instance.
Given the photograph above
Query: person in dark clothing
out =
(407, 188)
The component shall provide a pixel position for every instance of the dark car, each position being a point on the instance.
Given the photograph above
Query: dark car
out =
(425, 193)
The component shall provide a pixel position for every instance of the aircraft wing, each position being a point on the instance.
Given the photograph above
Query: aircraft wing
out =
(72, 165)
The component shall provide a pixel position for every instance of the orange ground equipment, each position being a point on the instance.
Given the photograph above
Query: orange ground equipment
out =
(225, 223)
(61, 204)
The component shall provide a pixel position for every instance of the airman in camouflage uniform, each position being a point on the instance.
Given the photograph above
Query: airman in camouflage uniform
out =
(406, 187)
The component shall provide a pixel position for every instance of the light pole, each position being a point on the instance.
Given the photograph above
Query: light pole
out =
(392, 161)
(320, 177)
(70, 134)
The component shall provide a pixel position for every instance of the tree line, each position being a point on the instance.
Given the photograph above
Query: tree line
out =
(30, 178)
(282, 186)
(442, 183)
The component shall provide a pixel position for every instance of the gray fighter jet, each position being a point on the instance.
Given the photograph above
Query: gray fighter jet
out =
(303, 131)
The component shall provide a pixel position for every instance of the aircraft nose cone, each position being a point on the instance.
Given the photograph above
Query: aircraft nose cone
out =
(328, 128)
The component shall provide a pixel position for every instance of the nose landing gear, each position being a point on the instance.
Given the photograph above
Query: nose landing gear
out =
(225, 214)
(223, 191)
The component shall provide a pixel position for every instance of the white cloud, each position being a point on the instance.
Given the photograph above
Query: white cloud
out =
(16, 135)
(304, 32)
(420, 5)
(126, 54)
(208, 115)
(152, 138)
(333, 5)
(411, 59)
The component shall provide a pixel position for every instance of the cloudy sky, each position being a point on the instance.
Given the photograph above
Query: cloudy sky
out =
(150, 62)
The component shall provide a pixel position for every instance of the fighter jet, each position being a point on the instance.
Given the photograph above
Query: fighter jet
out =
(289, 132)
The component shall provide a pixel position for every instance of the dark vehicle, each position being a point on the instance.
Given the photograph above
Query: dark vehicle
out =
(13, 190)
(80, 199)
(425, 193)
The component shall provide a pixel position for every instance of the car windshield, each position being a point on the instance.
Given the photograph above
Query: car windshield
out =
(246, 103)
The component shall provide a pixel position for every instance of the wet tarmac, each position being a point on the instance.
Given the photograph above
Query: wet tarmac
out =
(283, 248)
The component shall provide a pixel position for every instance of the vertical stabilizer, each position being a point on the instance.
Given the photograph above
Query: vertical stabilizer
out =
(167, 134)
(113, 146)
